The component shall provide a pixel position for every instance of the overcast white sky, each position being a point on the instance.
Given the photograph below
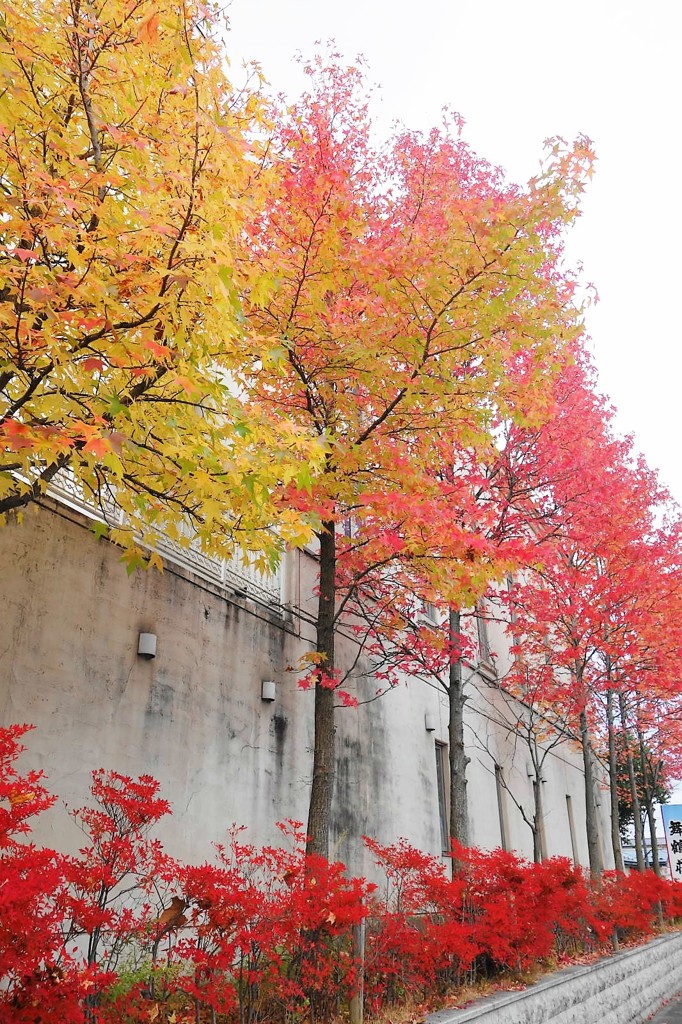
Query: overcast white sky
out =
(519, 72)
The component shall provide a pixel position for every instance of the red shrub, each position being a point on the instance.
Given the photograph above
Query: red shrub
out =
(268, 927)
(420, 937)
(629, 903)
(516, 907)
(31, 948)
(122, 934)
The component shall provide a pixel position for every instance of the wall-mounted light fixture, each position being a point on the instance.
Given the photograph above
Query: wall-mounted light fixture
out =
(146, 645)
(430, 722)
(268, 689)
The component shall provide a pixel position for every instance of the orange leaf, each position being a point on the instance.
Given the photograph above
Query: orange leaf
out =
(149, 29)
(99, 446)
(18, 797)
(172, 916)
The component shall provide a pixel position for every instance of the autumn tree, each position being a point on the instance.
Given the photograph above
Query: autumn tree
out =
(504, 503)
(127, 172)
(648, 715)
(487, 503)
(582, 611)
(658, 783)
(641, 690)
(403, 282)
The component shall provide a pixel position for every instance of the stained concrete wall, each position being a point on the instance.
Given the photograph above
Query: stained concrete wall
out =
(622, 989)
(193, 716)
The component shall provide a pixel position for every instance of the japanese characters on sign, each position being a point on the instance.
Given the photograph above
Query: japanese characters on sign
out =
(672, 827)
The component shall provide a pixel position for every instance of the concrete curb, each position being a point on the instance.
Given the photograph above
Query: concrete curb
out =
(625, 988)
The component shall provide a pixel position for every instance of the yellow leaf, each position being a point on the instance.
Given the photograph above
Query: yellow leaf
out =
(155, 561)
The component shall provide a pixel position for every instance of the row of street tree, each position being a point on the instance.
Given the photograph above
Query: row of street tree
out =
(593, 617)
(247, 318)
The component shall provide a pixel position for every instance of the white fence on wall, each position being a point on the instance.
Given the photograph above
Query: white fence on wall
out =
(229, 575)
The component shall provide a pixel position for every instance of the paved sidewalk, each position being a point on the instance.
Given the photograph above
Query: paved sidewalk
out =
(669, 1014)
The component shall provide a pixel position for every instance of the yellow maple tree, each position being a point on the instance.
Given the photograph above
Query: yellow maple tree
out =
(127, 168)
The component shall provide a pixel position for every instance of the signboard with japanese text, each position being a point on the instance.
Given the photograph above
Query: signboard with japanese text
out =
(672, 826)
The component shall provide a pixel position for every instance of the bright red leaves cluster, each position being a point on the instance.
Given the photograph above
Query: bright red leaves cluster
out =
(122, 932)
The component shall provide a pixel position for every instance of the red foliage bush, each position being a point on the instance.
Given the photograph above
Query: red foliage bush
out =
(420, 937)
(629, 905)
(121, 933)
(30, 919)
(270, 926)
(518, 907)
(498, 912)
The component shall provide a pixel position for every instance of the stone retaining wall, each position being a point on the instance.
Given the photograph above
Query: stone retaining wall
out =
(625, 988)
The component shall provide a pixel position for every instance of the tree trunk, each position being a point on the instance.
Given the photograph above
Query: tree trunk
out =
(632, 779)
(459, 819)
(322, 789)
(651, 815)
(593, 849)
(648, 796)
(537, 848)
(539, 852)
(613, 784)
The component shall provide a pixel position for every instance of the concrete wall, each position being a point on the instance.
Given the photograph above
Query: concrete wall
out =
(193, 716)
(622, 989)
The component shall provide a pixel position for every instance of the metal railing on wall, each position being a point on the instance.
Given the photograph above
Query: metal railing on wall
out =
(234, 575)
